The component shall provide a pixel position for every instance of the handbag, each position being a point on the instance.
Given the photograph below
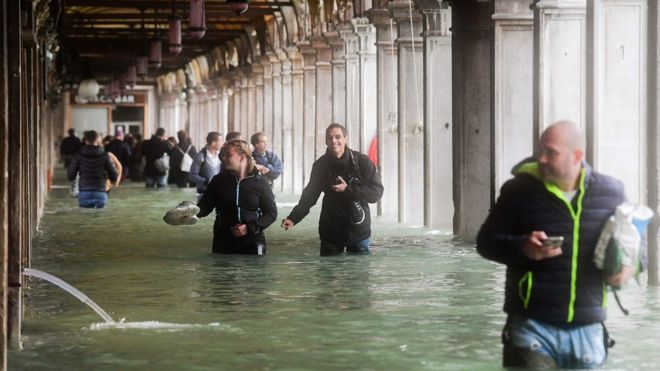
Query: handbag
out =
(162, 164)
(186, 161)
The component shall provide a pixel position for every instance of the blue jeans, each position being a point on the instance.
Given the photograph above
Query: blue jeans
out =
(92, 199)
(330, 248)
(160, 181)
(532, 344)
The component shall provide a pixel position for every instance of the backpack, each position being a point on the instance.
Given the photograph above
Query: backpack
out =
(186, 160)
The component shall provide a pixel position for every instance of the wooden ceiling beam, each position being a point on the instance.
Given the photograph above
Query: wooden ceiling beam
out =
(136, 4)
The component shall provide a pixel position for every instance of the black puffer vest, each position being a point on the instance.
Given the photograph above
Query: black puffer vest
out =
(567, 289)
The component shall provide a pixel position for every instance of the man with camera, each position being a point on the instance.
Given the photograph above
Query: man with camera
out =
(544, 227)
(350, 182)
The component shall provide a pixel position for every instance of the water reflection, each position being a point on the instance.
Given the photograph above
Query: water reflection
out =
(236, 280)
(343, 282)
(420, 301)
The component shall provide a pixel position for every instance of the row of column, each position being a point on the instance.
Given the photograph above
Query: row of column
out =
(589, 64)
(454, 111)
(354, 75)
(27, 137)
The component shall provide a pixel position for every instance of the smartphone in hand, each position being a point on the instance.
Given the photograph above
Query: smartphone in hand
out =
(553, 241)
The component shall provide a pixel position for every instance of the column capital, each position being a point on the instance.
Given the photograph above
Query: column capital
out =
(257, 74)
(323, 50)
(366, 33)
(223, 82)
(273, 57)
(513, 10)
(400, 11)
(257, 68)
(308, 54)
(559, 4)
(318, 42)
(430, 5)
(337, 44)
(296, 59)
(378, 16)
(362, 26)
(437, 22)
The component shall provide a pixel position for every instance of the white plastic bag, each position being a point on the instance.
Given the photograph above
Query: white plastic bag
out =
(623, 227)
(163, 164)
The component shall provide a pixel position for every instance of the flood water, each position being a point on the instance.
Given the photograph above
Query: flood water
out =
(422, 300)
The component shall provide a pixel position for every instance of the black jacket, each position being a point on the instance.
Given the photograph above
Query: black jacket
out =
(363, 185)
(121, 150)
(70, 145)
(152, 150)
(94, 167)
(176, 156)
(254, 205)
(567, 289)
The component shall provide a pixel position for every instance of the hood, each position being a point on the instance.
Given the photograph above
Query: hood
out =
(91, 151)
(530, 166)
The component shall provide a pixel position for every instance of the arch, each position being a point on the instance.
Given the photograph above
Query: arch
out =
(232, 55)
(264, 38)
(273, 31)
(253, 41)
(244, 49)
(291, 25)
(203, 68)
(302, 15)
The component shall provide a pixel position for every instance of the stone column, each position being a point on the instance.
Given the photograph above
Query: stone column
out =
(323, 91)
(268, 96)
(258, 73)
(387, 105)
(298, 86)
(559, 62)
(230, 107)
(285, 146)
(236, 80)
(251, 107)
(617, 92)
(352, 45)
(225, 107)
(472, 102)
(244, 103)
(411, 112)
(438, 124)
(653, 142)
(366, 34)
(338, 64)
(275, 133)
(309, 108)
(513, 87)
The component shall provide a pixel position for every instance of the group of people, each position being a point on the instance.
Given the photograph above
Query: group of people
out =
(554, 297)
(160, 160)
(245, 205)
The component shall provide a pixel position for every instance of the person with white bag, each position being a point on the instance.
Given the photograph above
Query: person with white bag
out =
(181, 161)
(545, 227)
(156, 152)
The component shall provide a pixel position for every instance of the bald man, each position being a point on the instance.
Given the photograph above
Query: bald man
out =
(544, 228)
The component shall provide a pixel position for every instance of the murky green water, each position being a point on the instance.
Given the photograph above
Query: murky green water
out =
(421, 301)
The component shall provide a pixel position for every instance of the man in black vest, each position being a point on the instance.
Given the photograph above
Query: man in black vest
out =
(544, 227)
(70, 145)
(350, 182)
(94, 166)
